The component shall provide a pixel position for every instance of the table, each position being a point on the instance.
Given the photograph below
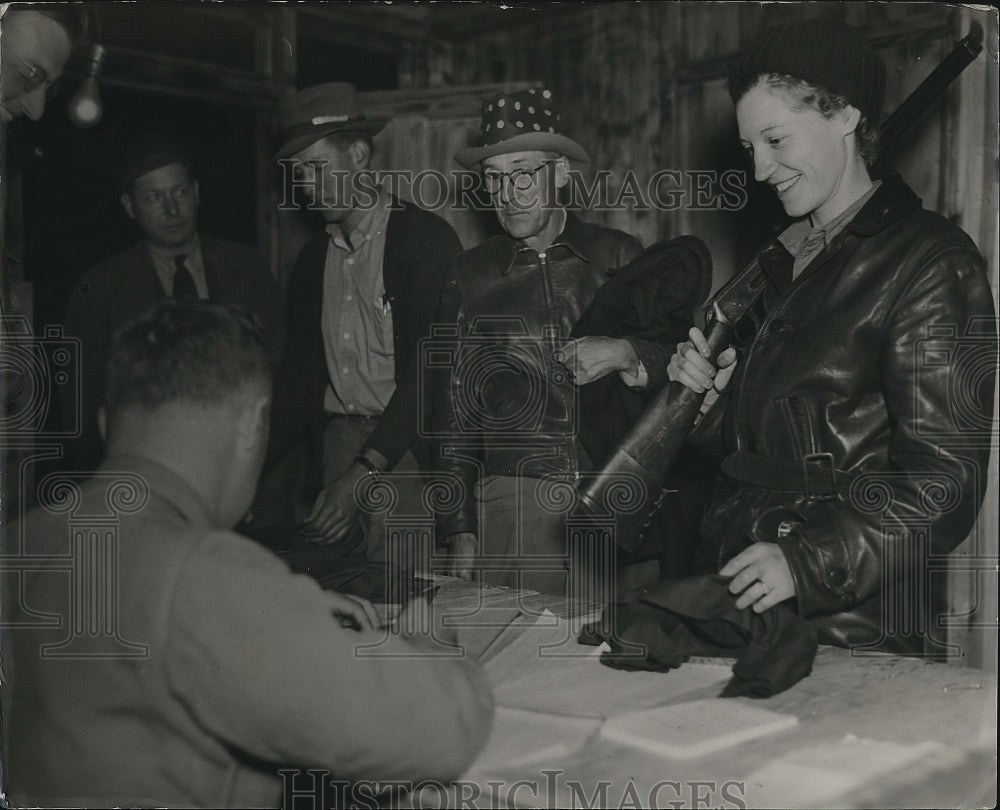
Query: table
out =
(889, 699)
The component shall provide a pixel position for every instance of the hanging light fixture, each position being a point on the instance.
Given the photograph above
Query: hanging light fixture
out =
(85, 108)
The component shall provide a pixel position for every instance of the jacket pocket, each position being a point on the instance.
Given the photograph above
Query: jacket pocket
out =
(798, 423)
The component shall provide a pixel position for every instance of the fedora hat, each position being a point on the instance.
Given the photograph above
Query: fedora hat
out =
(525, 121)
(322, 110)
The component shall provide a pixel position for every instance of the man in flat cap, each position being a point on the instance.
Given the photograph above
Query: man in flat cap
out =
(506, 413)
(159, 193)
(362, 295)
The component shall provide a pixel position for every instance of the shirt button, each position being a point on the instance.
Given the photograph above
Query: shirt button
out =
(345, 370)
(350, 407)
(349, 298)
(349, 261)
(347, 335)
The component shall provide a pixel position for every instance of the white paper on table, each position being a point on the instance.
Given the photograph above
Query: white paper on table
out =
(546, 639)
(584, 687)
(522, 737)
(694, 729)
(820, 774)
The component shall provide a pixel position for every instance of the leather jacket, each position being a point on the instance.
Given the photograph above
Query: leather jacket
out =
(877, 366)
(503, 404)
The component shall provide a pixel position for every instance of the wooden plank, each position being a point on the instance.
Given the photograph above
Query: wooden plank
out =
(435, 102)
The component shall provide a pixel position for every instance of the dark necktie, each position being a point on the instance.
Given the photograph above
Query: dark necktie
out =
(184, 286)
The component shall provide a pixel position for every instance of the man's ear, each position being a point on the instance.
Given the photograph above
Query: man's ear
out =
(102, 422)
(255, 423)
(127, 204)
(561, 171)
(360, 154)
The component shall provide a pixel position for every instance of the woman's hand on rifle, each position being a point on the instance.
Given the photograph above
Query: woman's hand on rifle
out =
(691, 367)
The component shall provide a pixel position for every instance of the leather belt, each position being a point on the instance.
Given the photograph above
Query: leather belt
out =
(813, 475)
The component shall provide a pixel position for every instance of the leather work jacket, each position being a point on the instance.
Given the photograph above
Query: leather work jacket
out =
(503, 404)
(858, 421)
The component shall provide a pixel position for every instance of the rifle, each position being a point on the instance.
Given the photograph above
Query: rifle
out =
(629, 486)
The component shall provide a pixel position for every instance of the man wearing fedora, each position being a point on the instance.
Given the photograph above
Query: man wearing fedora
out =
(506, 413)
(159, 192)
(362, 295)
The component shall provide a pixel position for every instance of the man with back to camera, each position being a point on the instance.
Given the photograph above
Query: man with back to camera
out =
(248, 668)
(160, 193)
(364, 293)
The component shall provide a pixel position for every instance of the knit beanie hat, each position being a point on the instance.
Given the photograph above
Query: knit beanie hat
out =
(825, 53)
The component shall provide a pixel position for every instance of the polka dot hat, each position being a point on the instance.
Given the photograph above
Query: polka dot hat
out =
(525, 121)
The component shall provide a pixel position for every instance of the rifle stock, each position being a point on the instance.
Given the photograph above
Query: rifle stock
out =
(639, 464)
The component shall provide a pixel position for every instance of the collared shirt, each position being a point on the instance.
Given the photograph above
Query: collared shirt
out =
(166, 268)
(805, 242)
(357, 317)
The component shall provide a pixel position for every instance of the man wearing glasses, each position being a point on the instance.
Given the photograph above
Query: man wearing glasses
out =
(506, 404)
(36, 46)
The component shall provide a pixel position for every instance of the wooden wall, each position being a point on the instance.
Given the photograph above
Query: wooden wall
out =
(642, 87)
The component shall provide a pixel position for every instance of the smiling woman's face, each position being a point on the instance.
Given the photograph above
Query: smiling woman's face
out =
(33, 53)
(801, 153)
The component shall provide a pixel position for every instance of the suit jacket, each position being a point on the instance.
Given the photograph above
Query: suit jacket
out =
(418, 249)
(119, 288)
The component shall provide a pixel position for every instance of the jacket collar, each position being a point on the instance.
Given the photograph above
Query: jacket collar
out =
(893, 200)
(166, 484)
(572, 238)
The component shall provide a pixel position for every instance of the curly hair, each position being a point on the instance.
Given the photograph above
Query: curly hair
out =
(812, 96)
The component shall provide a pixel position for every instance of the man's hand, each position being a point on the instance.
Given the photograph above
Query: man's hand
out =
(336, 508)
(590, 358)
(690, 366)
(354, 612)
(462, 554)
(761, 577)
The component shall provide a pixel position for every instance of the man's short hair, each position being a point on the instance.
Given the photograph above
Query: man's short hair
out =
(185, 350)
(148, 152)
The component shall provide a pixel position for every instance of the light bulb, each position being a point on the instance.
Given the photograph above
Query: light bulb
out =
(85, 108)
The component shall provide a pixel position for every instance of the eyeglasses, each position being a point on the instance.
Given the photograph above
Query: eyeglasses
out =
(34, 77)
(521, 179)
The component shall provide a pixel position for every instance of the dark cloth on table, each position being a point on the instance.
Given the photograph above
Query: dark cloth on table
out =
(678, 618)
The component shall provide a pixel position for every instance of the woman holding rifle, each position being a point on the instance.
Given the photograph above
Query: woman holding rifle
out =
(856, 421)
